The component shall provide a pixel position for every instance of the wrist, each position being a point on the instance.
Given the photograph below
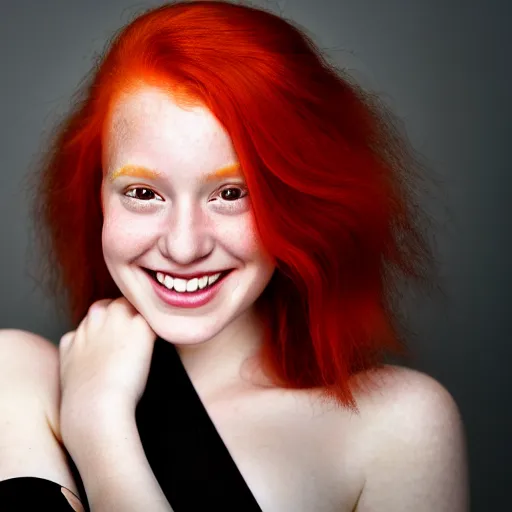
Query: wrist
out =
(100, 446)
(96, 421)
(114, 468)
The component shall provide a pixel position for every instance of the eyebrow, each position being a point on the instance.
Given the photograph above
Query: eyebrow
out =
(228, 171)
(139, 171)
(136, 171)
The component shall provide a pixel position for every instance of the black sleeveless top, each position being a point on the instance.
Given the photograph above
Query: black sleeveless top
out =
(187, 455)
(185, 452)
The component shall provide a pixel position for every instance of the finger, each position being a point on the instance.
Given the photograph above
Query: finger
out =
(66, 340)
(100, 304)
(122, 304)
(97, 312)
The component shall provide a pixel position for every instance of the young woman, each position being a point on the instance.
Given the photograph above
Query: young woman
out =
(232, 220)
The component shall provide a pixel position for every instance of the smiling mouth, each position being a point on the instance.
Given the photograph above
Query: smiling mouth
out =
(187, 286)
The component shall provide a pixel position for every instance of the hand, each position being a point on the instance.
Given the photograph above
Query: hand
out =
(104, 364)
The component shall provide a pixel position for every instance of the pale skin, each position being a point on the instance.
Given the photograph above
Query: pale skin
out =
(405, 450)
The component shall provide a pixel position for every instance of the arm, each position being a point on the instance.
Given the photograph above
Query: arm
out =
(116, 474)
(418, 459)
(104, 367)
(33, 466)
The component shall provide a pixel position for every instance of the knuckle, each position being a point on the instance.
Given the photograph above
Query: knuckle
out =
(120, 302)
(99, 304)
(67, 335)
(98, 309)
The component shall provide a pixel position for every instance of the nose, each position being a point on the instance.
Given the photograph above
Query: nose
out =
(187, 236)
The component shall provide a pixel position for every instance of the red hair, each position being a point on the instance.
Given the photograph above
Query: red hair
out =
(330, 179)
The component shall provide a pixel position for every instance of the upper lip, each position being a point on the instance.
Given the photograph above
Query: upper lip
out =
(190, 275)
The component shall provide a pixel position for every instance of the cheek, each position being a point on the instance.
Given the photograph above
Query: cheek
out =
(123, 236)
(241, 238)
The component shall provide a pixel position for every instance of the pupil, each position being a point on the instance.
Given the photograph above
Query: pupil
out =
(231, 194)
(143, 193)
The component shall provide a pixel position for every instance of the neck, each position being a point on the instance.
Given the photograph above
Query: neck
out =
(225, 361)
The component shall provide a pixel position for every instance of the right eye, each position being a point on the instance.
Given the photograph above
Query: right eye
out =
(142, 194)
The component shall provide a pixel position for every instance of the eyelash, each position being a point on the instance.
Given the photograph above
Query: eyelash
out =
(230, 187)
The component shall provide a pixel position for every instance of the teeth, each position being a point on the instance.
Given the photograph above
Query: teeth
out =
(182, 285)
(192, 285)
(212, 279)
(168, 282)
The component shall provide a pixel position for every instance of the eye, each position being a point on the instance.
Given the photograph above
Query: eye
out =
(142, 194)
(232, 193)
(231, 199)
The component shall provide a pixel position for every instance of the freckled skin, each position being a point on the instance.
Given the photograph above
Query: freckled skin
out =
(186, 225)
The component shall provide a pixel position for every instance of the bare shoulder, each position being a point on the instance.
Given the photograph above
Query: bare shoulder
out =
(414, 444)
(29, 401)
(396, 390)
(31, 362)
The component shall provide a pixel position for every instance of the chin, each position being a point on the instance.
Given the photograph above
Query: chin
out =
(185, 331)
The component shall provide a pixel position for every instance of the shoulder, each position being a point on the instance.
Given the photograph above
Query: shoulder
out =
(29, 409)
(406, 408)
(30, 361)
(414, 444)
(26, 357)
(17, 340)
(396, 392)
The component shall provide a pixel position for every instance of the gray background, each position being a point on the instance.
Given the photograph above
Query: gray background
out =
(442, 66)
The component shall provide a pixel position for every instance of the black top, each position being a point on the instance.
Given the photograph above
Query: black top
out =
(185, 452)
(187, 455)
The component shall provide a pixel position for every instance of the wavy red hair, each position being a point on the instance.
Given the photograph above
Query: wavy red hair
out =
(331, 181)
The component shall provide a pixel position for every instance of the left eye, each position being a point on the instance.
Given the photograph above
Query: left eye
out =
(143, 194)
(232, 193)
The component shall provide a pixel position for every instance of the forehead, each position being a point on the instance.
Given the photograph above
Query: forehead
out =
(148, 124)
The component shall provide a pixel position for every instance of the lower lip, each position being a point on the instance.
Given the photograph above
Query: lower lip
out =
(187, 299)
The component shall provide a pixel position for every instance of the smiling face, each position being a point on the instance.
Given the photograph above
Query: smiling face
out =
(176, 206)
